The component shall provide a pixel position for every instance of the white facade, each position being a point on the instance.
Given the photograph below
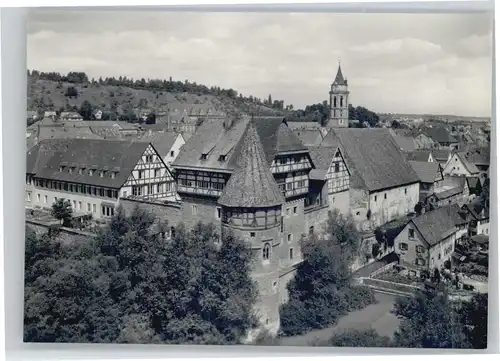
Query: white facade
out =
(150, 179)
(455, 166)
(373, 209)
(174, 151)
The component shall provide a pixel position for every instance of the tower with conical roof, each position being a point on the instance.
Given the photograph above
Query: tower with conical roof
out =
(339, 102)
(251, 209)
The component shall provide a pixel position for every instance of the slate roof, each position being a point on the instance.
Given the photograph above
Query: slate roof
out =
(407, 144)
(436, 225)
(276, 137)
(309, 137)
(476, 210)
(252, 183)
(418, 155)
(426, 171)
(44, 160)
(373, 157)
(339, 79)
(322, 157)
(162, 141)
(66, 133)
(213, 138)
(478, 156)
(440, 155)
(471, 167)
(439, 135)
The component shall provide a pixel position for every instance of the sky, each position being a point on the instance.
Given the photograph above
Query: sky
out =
(402, 63)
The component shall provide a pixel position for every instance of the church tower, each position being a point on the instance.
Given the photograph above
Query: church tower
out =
(339, 102)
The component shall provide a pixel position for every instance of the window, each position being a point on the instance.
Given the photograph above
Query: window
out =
(172, 153)
(337, 167)
(88, 207)
(70, 170)
(403, 246)
(38, 197)
(218, 213)
(61, 169)
(113, 175)
(91, 172)
(288, 211)
(45, 199)
(406, 191)
(158, 188)
(275, 284)
(289, 237)
(385, 195)
(101, 174)
(282, 161)
(419, 249)
(291, 253)
(311, 230)
(157, 173)
(282, 226)
(74, 204)
(140, 174)
(172, 232)
(194, 209)
(411, 233)
(375, 198)
(28, 196)
(266, 250)
(79, 205)
(222, 158)
(252, 234)
(204, 156)
(439, 255)
(80, 171)
(136, 190)
(295, 210)
(420, 262)
(93, 208)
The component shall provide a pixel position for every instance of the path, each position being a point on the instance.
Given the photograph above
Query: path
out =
(377, 316)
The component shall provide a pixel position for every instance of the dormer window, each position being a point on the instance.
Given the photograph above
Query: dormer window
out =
(70, 170)
(113, 175)
(204, 156)
(101, 174)
(222, 158)
(80, 171)
(91, 172)
(61, 169)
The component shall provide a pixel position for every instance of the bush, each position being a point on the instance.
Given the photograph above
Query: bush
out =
(358, 297)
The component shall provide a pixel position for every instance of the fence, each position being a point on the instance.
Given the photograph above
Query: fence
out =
(388, 286)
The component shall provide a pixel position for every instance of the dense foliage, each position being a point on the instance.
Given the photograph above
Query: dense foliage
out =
(130, 287)
(357, 338)
(321, 290)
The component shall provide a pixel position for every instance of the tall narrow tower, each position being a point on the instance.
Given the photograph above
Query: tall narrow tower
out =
(339, 102)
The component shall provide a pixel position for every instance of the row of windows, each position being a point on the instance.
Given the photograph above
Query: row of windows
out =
(385, 195)
(77, 188)
(157, 173)
(150, 189)
(90, 172)
(291, 160)
(77, 205)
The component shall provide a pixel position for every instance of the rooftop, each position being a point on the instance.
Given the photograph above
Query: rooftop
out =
(436, 225)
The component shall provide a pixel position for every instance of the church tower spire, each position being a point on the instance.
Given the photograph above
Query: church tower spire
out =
(339, 102)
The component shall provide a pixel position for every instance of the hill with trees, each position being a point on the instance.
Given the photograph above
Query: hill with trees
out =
(122, 97)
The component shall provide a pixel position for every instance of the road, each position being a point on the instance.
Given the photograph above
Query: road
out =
(377, 316)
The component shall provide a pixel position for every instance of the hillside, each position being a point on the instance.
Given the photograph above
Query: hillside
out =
(119, 97)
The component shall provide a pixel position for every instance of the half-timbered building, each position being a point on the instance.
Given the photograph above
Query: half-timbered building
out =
(95, 174)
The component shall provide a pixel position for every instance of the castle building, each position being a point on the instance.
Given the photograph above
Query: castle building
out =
(94, 174)
(339, 102)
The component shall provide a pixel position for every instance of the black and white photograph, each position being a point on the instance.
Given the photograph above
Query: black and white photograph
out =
(251, 178)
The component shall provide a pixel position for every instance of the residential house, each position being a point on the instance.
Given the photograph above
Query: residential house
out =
(430, 174)
(423, 141)
(167, 144)
(383, 186)
(480, 157)
(458, 165)
(331, 178)
(451, 190)
(481, 241)
(442, 137)
(95, 174)
(405, 143)
(442, 156)
(479, 218)
(427, 241)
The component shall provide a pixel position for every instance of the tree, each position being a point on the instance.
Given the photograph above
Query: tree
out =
(62, 210)
(474, 318)
(428, 320)
(321, 290)
(356, 338)
(71, 92)
(129, 285)
(86, 110)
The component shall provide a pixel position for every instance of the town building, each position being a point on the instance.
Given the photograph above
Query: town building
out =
(423, 141)
(310, 137)
(479, 217)
(420, 156)
(427, 241)
(458, 165)
(339, 102)
(442, 137)
(70, 117)
(94, 174)
(430, 175)
(383, 186)
(167, 144)
(451, 190)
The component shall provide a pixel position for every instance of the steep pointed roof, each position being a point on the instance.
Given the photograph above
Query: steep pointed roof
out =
(251, 184)
(339, 79)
